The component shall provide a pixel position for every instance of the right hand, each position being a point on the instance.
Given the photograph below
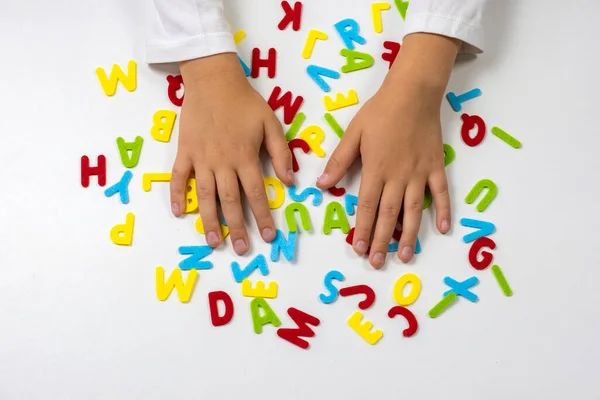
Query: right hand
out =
(224, 122)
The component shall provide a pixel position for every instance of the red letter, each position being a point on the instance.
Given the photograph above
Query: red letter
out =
(294, 144)
(87, 171)
(301, 319)
(409, 316)
(291, 15)
(175, 83)
(360, 289)
(270, 63)
(394, 48)
(215, 318)
(469, 122)
(485, 262)
(289, 108)
(336, 191)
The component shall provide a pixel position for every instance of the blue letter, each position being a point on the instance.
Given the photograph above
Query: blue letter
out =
(279, 244)
(333, 291)
(348, 30)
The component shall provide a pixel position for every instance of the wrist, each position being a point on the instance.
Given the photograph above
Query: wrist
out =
(217, 71)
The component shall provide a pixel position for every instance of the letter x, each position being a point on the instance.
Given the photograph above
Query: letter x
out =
(462, 288)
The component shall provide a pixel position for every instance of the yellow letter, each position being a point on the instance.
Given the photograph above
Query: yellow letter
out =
(259, 291)
(184, 290)
(109, 84)
(239, 36)
(122, 234)
(364, 329)
(200, 228)
(313, 35)
(162, 127)
(279, 192)
(191, 197)
(376, 9)
(314, 136)
(340, 101)
(150, 177)
(415, 290)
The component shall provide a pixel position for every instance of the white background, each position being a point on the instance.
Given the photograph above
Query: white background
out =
(79, 318)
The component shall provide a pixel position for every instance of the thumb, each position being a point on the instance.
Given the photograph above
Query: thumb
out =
(342, 157)
(279, 151)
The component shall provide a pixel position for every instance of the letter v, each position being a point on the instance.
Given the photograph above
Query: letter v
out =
(483, 229)
(316, 73)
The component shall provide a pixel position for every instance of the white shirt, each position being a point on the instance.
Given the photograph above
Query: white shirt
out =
(188, 29)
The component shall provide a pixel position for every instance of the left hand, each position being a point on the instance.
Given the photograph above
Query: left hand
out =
(398, 135)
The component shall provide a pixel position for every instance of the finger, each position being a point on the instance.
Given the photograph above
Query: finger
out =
(229, 195)
(179, 176)
(340, 160)
(207, 204)
(387, 218)
(368, 200)
(279, 151)
(254, 187)
(438, 185)
(413, 209)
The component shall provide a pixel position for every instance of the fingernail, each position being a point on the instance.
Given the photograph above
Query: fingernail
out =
(175, 209)
(361, 246)
(212, 238)
(290, 175)
(445, 225)
(323, 178)
(379, 258)
(407, 252)
(267, 234)
(239, 246)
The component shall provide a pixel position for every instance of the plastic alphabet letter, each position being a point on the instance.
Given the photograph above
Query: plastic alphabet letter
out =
(270, 181)
(87, 171)
(410, 318)
(295, 126)
(340, 101)
(292, 16)
(302, 320)
(109, 84)
(125, 147)
(394, 48)
(150, 177)
(175, 84)
(351, 203)
(489, 196)
(487, 257)
(462, 288)
(291, 220)
(316, 73)
(483, 229)
(364, 328)
(162, 127)
(290, 108)
(414, 291)
(215, 318)
(196, 254)
(313, 35)
(270, 62)
(314, 136)
(175, 281)
(280, 245)
(331, 222)
(297, 143)
(366, 60)
(360, 289)
(259, 291)
(122, 234)
(259, 321)
(334, 125)
(470, 122)
(456, 101)
(259, 262)
(121, 187)
(376, 9)
(333, 291)
(349, 32)
(318, 196)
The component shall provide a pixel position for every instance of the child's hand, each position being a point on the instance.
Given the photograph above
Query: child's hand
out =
(398, 135)
(224, 122)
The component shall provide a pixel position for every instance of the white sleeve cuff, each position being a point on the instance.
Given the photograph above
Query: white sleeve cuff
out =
(190, 48)
(447, 25)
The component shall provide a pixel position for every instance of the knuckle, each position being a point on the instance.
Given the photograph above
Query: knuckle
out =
(229, 198)
(415, 205)
(367, 207)
(203, 192)
(256, 193)
(388, 211)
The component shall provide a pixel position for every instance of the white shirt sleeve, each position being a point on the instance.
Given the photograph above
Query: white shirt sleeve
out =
(188, 29)
(459, 19)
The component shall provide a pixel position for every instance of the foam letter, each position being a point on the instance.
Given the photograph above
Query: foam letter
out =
(402, 6)
(292, 15)
(456, 101)
(449, 154)
(259, 262)
(366, 60)
(295, 127)
(364, 328)
(215, 318)
(469, 122)
(415, 289)
(289, 108)
(316, 73)
(489, 196)
(349, 32)
(109, 84)
(121, 187)
(175, 83)
(122, 234)
(200, 228)
(259, 321)
(487, 257)
(314, 136)
(259, 291)
(394, 48)
(302, 320)
(483, 229)
(191, 196)
(87, 171)
(360, 289)
(196, 254)
(150, 177)
(279, 192)
(125, 147)
(270, 62)
(462, 288)
(351, 203)
(334, 125)
(162, 125)
(297, 143)
(410, 318)
(376, 9)
(340, 101)
(279, 244)
(313, 35)
(333, 291)
(291, 220)
(184, 290)
(305, 193)
(341, 222)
